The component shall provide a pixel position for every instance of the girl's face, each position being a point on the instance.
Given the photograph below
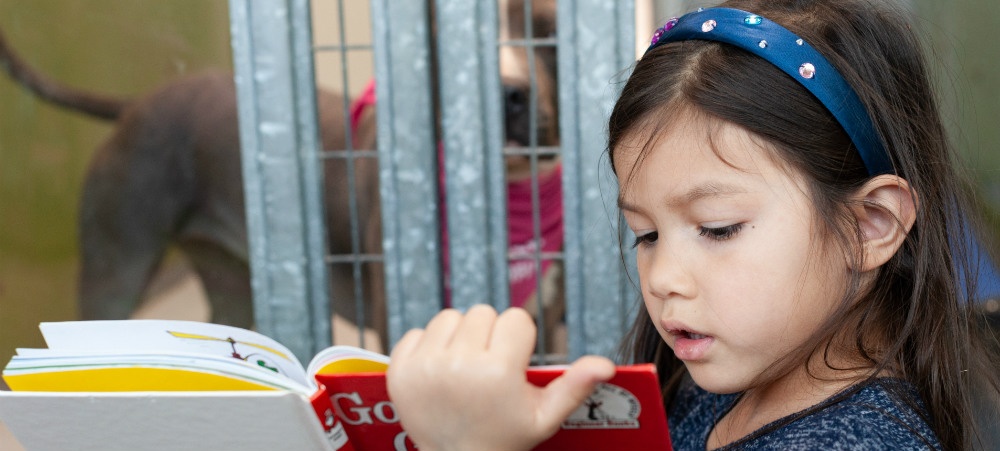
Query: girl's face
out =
(733, 271)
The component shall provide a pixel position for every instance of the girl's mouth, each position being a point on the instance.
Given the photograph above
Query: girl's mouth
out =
(689, 345)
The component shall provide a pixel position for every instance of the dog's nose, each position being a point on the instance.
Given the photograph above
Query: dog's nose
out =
(515, 100)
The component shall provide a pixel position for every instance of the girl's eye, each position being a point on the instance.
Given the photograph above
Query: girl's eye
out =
(647, 239)
(721, 233)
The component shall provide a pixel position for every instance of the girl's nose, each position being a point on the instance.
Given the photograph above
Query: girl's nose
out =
(669, 274)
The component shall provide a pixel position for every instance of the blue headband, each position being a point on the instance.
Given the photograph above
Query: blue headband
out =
(796, 58)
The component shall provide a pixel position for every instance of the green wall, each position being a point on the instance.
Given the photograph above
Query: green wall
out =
(963, 43)
(125, 47)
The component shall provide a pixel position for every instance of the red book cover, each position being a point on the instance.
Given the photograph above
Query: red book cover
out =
(625, 413)
(332, 427)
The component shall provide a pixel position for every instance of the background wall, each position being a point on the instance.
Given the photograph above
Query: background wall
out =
(963, 39)
(124, 47)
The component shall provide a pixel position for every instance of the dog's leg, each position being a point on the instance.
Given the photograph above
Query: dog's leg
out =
(373, 309)
(139, 190)
(125, 228)
(371, 228)
(226, 279)
(375, 275)
(113, 277)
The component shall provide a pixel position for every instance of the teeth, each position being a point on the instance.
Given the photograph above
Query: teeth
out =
(697, 336)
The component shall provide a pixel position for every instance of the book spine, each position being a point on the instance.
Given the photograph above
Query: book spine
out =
(332, 426)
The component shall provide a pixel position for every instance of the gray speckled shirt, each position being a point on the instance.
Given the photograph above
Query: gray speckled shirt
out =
(869, 420)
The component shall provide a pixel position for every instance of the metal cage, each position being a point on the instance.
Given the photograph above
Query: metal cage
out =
(438, 87)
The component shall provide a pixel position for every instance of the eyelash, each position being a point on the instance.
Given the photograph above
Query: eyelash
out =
(647, 239)
(712, 233)
(721, 233)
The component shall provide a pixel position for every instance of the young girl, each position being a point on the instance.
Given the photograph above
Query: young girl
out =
(784, 168)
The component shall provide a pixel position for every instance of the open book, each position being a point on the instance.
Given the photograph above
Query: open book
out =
(184, 370)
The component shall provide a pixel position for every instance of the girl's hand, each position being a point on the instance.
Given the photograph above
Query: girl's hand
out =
(460, 384)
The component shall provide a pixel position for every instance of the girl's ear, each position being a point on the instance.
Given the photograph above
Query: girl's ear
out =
(886, 210)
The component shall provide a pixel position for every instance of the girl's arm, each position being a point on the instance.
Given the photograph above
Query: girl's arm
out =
(460, 384)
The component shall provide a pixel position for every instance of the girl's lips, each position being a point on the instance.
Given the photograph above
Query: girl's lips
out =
(690, 348)
(688, 344)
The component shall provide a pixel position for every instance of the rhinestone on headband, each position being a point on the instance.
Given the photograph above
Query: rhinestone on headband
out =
(807, 70)
(665, 28)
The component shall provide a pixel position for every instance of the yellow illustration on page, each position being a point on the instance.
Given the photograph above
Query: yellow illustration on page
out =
(128, 379)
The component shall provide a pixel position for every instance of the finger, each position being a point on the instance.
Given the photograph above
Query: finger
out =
(405, 346)
(513, 336)
(398, 359)
(474, 331)
(569, 391)
(440, 329)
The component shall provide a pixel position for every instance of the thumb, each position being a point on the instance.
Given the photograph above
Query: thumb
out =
(568, 391)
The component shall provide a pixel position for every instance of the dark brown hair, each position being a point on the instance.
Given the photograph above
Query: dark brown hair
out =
(913, 320)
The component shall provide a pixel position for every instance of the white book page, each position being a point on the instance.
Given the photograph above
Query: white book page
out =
(233, 368)
(171, 336)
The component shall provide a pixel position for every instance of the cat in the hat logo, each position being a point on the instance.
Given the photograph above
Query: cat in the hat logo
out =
(609, 407)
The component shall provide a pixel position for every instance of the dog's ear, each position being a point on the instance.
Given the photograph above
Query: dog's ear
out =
(543, 18)
(515, 18)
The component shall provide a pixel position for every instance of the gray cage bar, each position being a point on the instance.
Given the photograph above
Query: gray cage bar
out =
(472, 136)
(596, 44)
(408, 173)
(272, 56)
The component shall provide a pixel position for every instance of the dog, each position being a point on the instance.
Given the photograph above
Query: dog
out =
(170, 175)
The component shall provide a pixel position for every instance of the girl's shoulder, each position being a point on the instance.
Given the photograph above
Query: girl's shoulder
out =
(874, 417)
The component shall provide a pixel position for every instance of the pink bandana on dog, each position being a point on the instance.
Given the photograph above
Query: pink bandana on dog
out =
(358, 107)
(521, 231)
